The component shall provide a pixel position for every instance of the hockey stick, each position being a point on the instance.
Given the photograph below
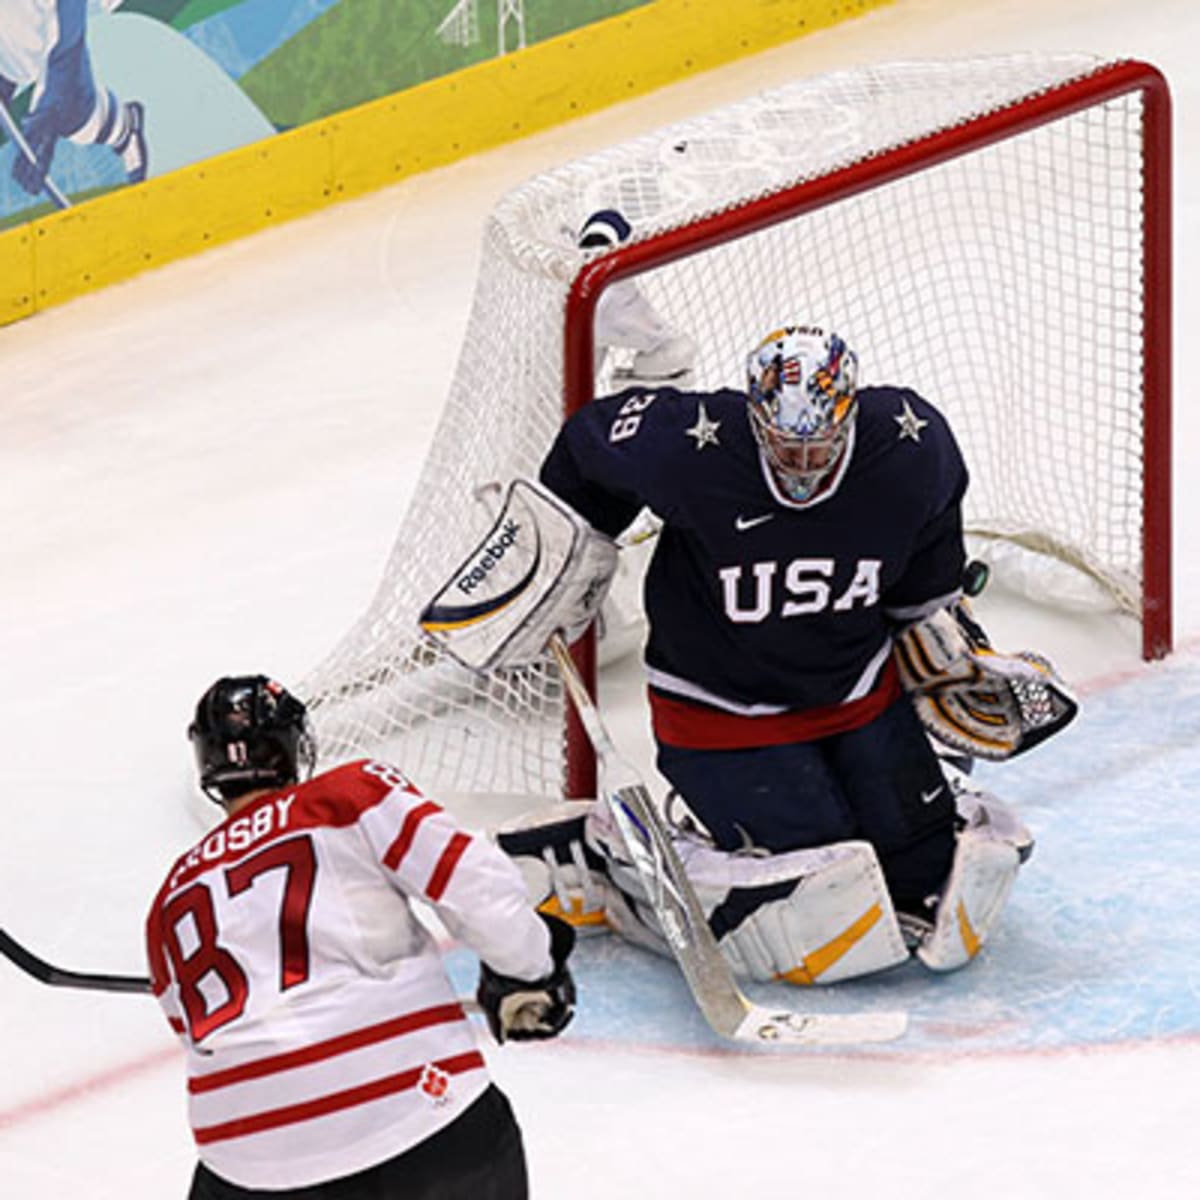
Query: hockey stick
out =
(23, 147)
(727, 1010)
(41, 970)
(44, 972)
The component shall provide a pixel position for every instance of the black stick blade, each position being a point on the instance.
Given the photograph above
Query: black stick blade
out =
(41, 970)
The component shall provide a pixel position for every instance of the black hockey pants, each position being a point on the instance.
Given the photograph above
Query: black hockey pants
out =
(881, 782)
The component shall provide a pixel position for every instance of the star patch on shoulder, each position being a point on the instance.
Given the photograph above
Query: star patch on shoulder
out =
(910, 424)
(704, 430)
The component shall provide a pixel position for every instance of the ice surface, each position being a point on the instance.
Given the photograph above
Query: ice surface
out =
(202, 470)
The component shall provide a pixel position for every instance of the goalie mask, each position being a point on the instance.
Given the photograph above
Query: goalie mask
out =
(249, 732)
(801, 385)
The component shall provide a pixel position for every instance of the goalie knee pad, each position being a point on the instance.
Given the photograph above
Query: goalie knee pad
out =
(978, 809)
(808, 916)
(991, 848)
(564, 876)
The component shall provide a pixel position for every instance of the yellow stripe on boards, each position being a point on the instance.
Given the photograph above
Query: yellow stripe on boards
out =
(17, 281)
(820, 960)
(113, 237)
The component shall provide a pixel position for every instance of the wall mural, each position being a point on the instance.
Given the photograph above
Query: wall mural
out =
(100, 94)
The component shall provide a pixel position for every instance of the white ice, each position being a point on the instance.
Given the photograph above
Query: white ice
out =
(201, 471)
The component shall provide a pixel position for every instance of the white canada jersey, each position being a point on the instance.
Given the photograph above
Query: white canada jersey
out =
(322, 1031)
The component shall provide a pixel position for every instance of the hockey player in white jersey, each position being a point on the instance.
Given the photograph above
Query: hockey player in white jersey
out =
(43, 50)
(327, 1053)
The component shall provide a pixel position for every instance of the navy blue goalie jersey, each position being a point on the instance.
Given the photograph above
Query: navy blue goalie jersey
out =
(757, 604)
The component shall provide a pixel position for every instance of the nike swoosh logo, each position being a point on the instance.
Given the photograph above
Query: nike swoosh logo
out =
(744, 523)
(930, 797)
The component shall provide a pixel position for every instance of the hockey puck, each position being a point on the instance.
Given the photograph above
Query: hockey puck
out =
(975, 577)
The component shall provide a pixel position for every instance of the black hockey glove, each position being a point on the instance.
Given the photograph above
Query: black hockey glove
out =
(522, 1009)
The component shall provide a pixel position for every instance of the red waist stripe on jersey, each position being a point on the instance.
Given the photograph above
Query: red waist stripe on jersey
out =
(693, 726)
(322, 1106)
(331, 1048)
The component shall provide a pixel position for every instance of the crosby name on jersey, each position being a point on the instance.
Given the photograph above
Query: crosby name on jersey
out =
(796, 601)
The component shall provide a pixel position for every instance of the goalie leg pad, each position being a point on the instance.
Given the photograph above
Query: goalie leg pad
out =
(805, 917)
(988, 855)
(564, 877)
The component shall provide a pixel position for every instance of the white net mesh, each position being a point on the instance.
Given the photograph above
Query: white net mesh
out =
(1005, 285)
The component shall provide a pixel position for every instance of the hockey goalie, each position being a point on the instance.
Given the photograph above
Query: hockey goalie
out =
(808, 644)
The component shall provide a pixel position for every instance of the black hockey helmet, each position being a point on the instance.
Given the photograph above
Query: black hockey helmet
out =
(249, 732)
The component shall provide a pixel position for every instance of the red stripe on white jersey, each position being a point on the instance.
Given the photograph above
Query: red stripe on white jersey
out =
(330, 1048)
(408, 832)
(445, 866)
(334, 1102)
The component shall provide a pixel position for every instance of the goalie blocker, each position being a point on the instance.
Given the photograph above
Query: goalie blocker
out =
(540, 570)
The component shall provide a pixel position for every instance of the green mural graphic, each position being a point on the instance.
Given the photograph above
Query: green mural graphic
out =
(364, 49)
(101, 94)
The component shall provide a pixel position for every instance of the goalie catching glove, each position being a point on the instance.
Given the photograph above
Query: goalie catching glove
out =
(520, 1010)
(972, 698)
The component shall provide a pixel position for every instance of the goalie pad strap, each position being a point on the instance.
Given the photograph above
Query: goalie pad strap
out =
(563, 876)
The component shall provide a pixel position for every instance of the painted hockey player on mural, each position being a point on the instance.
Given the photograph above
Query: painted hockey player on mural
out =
(327, 1053)
(43, 51)
(807, 633)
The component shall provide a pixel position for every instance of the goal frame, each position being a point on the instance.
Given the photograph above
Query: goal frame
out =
(1107, 83)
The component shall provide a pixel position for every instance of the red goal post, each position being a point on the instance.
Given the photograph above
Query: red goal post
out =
(995, 233)
(1090, 91)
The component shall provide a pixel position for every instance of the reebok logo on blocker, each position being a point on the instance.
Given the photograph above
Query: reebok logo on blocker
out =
(493, 553)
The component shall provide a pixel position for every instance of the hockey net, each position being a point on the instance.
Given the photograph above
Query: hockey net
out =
(993, 233)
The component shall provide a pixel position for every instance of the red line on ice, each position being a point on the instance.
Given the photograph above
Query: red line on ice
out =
(85, 1088)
